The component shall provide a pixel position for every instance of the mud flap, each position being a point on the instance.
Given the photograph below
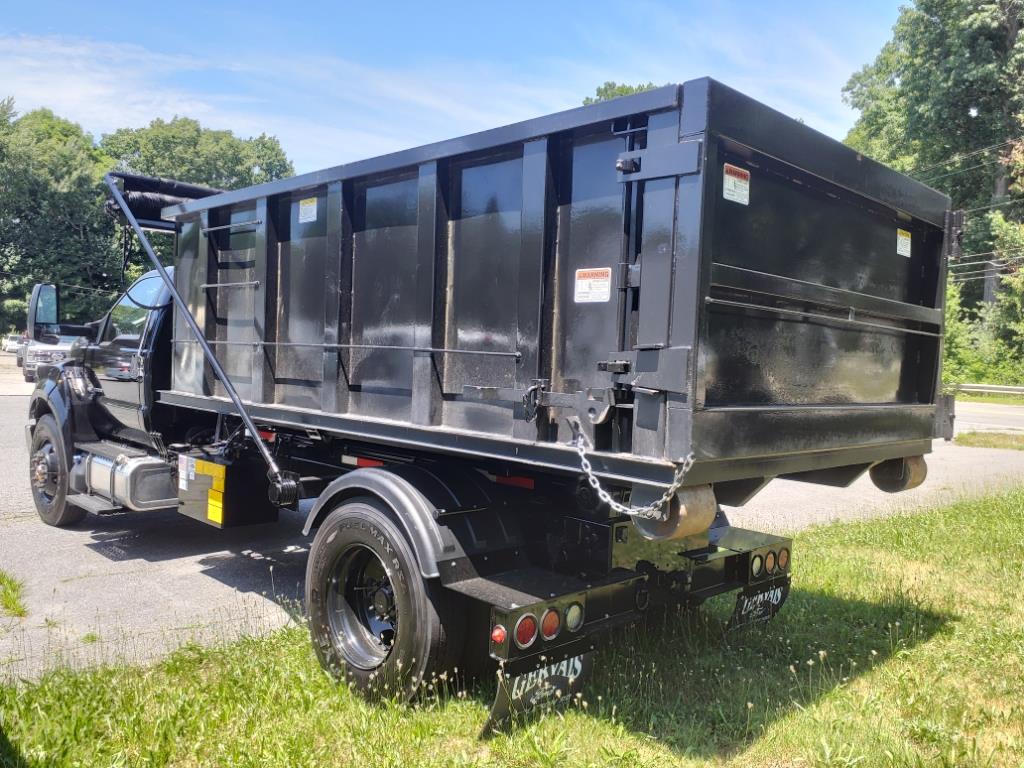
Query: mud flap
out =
(759, 603)
(550, 685)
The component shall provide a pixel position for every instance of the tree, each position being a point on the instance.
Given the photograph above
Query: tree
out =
(943, 99)
(948, 83)
(182, 149)
(52, 224)
(612, 90)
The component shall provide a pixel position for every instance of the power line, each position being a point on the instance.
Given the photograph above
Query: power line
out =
(69, 286)
(994, 262)
(994, 205)
(961, 170)
(963, 156)
(989, 253)
(979, 277)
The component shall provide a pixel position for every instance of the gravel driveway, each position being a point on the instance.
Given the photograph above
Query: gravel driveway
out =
(133, 586)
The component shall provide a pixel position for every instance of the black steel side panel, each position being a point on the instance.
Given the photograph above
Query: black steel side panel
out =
(471, 297)
(384, 262)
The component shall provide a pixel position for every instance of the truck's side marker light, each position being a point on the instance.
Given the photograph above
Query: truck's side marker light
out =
(515, 481)
(360, 461)
(756, 566)
(526, 630)
(783, 559)
(769, 562)
(574, 617)
(550, 624)
(499, 635)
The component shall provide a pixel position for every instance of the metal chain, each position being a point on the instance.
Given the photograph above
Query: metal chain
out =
(654, 510)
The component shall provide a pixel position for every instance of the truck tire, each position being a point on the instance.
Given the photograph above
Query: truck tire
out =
(374, 620)
(48, 475)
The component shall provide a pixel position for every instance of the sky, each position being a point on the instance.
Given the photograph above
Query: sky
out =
(340, 81)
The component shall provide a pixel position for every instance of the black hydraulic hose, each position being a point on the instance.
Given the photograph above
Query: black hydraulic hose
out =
(272, 469)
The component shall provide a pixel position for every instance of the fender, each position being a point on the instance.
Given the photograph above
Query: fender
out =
(49, 396)
(415, 496)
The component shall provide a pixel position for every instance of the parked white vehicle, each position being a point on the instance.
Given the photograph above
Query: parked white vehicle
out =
(12, 341)
(37, 353)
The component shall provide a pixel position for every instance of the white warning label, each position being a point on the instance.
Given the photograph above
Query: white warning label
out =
(182, 473)
(593, 285)
(736, 184)
(903, 242)
(307, 210)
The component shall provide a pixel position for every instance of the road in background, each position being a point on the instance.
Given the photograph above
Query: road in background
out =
(130, 587)
(989, 417)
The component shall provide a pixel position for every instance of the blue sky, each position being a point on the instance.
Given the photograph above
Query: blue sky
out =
(342, 81)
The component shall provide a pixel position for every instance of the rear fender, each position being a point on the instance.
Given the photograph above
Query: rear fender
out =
(415, 497)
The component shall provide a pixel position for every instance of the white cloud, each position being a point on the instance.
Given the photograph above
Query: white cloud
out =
(327, 109)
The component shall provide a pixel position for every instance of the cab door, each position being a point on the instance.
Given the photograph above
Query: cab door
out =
(118, 358)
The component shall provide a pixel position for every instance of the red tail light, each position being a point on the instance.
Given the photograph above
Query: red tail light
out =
(526, 630)
(550, 624)
(498, 635)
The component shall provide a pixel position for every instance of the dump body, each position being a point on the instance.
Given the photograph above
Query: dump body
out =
(683, 270)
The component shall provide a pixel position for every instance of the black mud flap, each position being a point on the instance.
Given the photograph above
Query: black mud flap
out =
(759, 603)
(550, 685)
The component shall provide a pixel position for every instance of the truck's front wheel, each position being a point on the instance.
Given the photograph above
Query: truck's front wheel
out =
(374, 620)
(48, 474)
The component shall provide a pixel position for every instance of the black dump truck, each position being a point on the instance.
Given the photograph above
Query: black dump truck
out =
(513, 376)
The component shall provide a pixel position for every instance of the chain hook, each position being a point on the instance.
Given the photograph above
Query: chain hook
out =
(656, 510)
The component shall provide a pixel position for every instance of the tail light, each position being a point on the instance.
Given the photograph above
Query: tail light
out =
(574, 617)
(526, 630)
(756, 566)
(550, 624)
(783, 559)
(769, 562)
(499, 635)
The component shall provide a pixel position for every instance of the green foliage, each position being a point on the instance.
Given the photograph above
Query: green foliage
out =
(53, 226)
(948, 82)
(12, 600)
(612, 90)
(1008, 313)
(182, 149)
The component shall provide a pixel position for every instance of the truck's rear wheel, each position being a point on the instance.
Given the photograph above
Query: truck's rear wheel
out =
(374, 620)
(48, 475)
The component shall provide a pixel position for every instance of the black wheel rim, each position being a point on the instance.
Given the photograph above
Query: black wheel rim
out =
(44, 470)
(361, 607)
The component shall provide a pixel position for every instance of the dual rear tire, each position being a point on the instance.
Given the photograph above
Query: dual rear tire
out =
(374, 620)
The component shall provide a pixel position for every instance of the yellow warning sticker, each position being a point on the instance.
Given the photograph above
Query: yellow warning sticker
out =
(903, 243)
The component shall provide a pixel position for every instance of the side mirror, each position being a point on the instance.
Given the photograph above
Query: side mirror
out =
(43, 311)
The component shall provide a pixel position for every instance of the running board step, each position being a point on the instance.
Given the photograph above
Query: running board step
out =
(95, 504)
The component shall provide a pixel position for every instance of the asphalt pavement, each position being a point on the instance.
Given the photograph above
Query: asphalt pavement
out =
(131, 587)
(989, 417)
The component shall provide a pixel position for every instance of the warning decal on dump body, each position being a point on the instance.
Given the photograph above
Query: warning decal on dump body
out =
(736, 184)
(307, 210)
(903, 242)
(593, 285)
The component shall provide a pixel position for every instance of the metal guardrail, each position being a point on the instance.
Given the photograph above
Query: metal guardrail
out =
(990, 389)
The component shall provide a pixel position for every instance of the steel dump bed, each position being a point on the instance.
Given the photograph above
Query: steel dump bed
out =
(682, 270)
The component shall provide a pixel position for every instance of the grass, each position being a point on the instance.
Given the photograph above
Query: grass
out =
(902, 644)
(994, 399)
(11, 599)
(991, 440)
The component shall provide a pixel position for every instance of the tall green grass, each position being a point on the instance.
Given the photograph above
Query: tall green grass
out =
(902, 644)
(12, 602)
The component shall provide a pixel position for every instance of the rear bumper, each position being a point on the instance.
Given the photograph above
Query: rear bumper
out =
(660, 576)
